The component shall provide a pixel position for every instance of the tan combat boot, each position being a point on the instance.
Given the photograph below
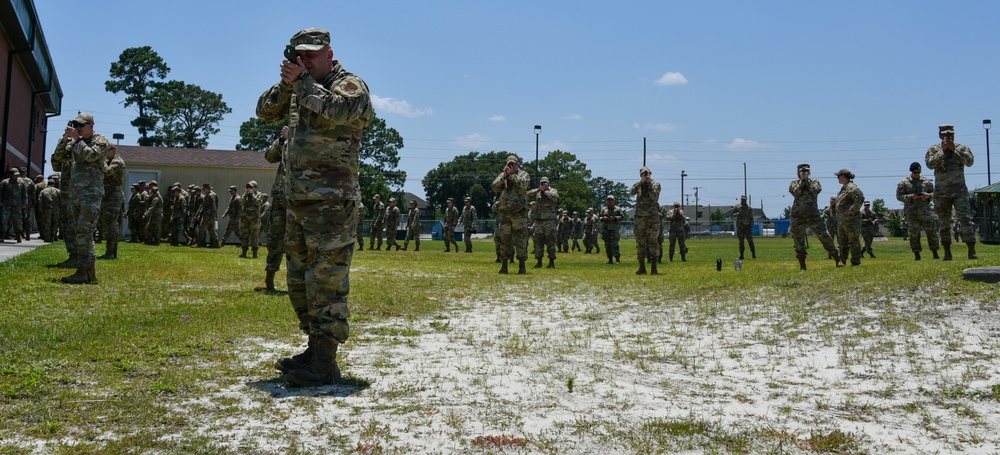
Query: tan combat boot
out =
(268, 285)
(322, 370)
(80, 277)
(300, 360)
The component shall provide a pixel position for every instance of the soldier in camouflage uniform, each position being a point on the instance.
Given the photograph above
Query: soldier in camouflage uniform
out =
(132, 213)
(916, 192)
(744, 225)
(849, 201)
(29, 208)
(412, 227)
(265, 214)
(153, 218)
(208, 212)
(378, 222)
(512, 184)
(576, 232)
(448, 224)
(532, 209)
(40, 185)
(279, 204)
(675, 217)
(48, 203)
(647, 220)
(869, 226)
(830, 220)
(805, 215)
(948, 160)
(545, 223)
(590, 223)
(328, 110)
(114, 200)
(87, 151)
(611, 218)
(234, 213)
(250, 219)
(177, 215)
(392, 217)
(362, 213)
(468, 220)
(193, 212)
(13, 199)
(565, 231)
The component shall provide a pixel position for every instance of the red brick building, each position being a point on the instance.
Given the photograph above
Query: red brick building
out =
(29, 88)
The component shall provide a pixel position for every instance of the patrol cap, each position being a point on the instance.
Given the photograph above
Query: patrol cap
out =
(611, 197)
(134, 185)
(450, 200)
(589, 210)
(575, 212)
(743, 197)
(13, 171)
(412, 202)
(844, 172)
(376, 197)
(544, 180)
(803, 167)
(914, 166)
(24, 170)
(191, 187)
(868, 203)
(644, 170)
(84, 117)
(534, 203)
(196, 190)
(263, 195)
(469, 199)
(174, 189)
(392, 199)
(142, 182)
(677, 204)
(177, 184)
(310, 39)
(512, 159)
(946, 128)
(39, 178)
(233, 187)
(252, 184)
(153, 183)
(206, 185)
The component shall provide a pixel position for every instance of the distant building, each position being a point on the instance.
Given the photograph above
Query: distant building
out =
(221, 168)
(31, 94)
(988, 207)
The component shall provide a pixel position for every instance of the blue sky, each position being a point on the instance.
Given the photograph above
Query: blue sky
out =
(709, 85)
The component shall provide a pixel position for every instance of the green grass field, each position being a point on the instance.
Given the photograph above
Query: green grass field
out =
(101, 368)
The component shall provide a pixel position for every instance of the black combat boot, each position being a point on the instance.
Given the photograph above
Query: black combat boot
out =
(300, 360)
(244, 253)
(802, 263)
(552, 264)
(322, 370)
(642, 267)
(254, 253)
(503, 267)
(652, 268)
(80, 277)
(498, 259)
(671, 257)
(610, 261)
(934, 252)
(753, 254)
(69, 263)
(684, 257)
(838, 259)
(972, 250)
(539, 264)
(268, 285)
(916, 255)
(520, 267)
(947, 252)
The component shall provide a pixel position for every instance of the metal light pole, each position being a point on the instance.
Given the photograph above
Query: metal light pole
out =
(538, 130)
(683, 174)
(986, 126)
(118, 137)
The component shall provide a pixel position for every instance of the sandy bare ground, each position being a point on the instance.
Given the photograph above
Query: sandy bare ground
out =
(581, 374)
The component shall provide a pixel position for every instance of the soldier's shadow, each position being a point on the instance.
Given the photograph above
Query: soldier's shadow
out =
(279, 388)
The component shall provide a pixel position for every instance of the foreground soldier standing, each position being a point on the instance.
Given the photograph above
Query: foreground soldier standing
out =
(448, 224)
(412, 227)
(949, 159)
(916, 192)
(378, 222)
(805, 215)
(647, 220)
(849, 201)
(250, 219)
(234, 213)
(545, 223)
(869, 226)
(392, 216)
(611, 218)
(328, 109)
(511, 207)
(468, 219)
(87, 150)
(744, 226)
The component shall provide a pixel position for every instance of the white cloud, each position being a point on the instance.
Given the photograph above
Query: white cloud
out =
(657, 158)
(665, 127)
(672, 78)
(474, 140)
(740, 144)
(573, 117)
(498, 118)
(399, 107)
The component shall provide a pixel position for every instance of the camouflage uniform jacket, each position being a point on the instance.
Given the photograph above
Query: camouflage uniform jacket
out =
(13, 193)
(62, 163)
(323, 152)
(87, 158)
(378, 214)
(590, 224)
(565, 228)
(194, 206)
(178, 209)
(276, 154)
(611, 218)
(468, 216)
(450, 217)
(546, 203)
(647, 201)
(805, 193)
(392, 216)
(868, 220)
(134, 206)
(949, 168)
(250, 207)
(48, 198)
(114, 180)
(849, 200)
(209, 207)
(909, 187)
(154, 206)
(235, 209)
(513, 190)
(577, 228)
(743, 214)
(38, 191)
(413, 219)
(676, 219)
(29, 188)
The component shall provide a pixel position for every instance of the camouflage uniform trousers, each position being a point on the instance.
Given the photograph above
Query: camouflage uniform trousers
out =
(207, 227)
(412, 233)
(849, 230)
(390, 237)
(590, 242)
(745, 235)
(647, 228)
(545, 237)
(174, 229)
(154, 226)
(919, 222)
(677, 236)
(467, 237)
(611, 239)
(276, 235)
(798, 228)
(11, 217)
(320, 244)
(67, 223)
(48, 224)
(943, 205)
(868, 236)
(375, 234)
(513, 235)
(88, 210)
(232, 227)
(26, 219)
(448, 232)
(250, 233)
(359, 234)
(110, 221)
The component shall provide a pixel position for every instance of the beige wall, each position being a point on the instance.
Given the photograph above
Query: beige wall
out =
(220, 178)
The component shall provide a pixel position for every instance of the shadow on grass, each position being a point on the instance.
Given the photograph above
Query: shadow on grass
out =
(278, 388)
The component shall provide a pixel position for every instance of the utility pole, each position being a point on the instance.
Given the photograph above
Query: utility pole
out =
(696, 205)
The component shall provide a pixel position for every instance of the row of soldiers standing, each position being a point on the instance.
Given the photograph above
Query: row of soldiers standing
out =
(19, 198)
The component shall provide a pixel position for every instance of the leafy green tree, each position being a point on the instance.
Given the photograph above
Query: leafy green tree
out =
(257, 134)
(379, 173)
(470, 175)
(135, 72)
(568, 176)
(189, 114)
(717, 218)
(599, 189)
(787, 213)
